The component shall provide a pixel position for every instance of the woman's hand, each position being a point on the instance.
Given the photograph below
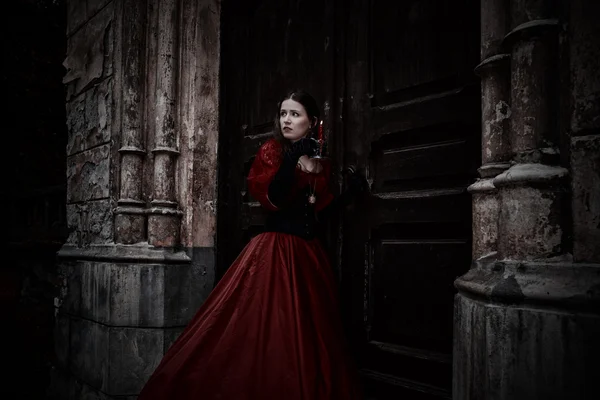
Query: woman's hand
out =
(310, 165)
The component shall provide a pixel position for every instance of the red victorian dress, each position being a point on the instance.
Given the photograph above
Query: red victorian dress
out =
(271, 328)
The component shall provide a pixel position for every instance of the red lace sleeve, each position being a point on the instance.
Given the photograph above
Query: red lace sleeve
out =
(265, 166)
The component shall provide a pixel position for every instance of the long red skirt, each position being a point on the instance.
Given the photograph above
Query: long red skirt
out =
(269, 330)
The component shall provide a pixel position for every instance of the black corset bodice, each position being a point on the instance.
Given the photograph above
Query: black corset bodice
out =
(296, 218)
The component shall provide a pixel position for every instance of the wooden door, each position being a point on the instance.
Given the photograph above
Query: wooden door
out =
(395, 81)
(413, 123)
(269, 47)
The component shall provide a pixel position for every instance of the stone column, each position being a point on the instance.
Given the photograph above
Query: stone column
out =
(495, 92)
(533, 189)
(130, 215)
(143, 95)
(164, 216)
(526, 320)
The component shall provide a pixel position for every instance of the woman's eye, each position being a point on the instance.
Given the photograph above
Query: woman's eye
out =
(295, 114)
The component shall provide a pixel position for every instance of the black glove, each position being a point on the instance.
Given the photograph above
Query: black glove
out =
(302, 147)
(280, 186)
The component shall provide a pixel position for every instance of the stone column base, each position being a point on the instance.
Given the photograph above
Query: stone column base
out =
(120, 308)
(527, 331)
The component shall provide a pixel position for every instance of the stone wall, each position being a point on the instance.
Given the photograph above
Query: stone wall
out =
(142, 94)
(583, 98)
(526, 316)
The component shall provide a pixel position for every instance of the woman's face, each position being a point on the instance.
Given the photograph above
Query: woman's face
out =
(294, 121)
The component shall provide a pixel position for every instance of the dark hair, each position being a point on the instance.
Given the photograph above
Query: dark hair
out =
(310, 105)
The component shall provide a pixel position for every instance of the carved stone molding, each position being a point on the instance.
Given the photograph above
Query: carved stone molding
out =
(534, 282)
(138, 253)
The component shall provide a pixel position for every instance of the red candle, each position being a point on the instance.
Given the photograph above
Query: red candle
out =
(321, 139)
(321, 131)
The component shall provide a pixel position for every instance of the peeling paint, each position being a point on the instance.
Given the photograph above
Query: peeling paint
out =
(210, 204)
(529, 224)
(502, 111)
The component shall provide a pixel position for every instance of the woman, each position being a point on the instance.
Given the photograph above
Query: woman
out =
(271, 329)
